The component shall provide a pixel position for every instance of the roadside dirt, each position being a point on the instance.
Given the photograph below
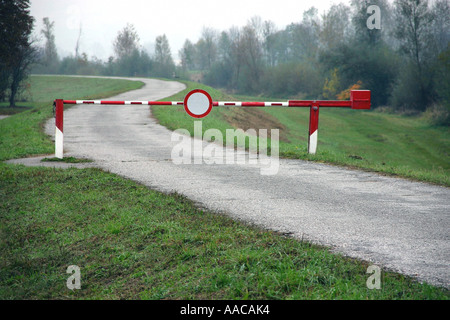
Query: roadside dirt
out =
(254, 118)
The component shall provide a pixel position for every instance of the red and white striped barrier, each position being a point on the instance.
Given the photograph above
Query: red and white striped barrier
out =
(359, 99)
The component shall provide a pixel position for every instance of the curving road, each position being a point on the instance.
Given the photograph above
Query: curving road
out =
(397, 224)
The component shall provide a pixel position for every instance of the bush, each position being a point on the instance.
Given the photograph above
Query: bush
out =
(438, 115)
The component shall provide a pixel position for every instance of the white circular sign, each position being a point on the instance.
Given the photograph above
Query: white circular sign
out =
(198, 103)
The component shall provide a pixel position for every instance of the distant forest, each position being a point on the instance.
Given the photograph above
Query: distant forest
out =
(400, 52)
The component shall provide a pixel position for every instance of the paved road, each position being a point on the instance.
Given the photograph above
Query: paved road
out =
(397, 224)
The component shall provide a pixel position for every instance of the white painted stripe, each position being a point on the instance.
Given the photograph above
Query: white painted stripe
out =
(229, 104)
(79, 101)
(174, 103)
(276, 104)
(312, 144)
(59, 144)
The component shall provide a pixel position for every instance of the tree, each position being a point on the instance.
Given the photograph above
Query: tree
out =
(331, 86)
(335, 26)
(443, 84)
(221, 72)
(413, 26)
(164, 65)
(303, 37)
(269, 43)
(440, 26)
(16, 50)
(126, 42)
(209, 48)
(25, 56)
(252, 59)
(50, 59)
(187, 55)
(77, 45)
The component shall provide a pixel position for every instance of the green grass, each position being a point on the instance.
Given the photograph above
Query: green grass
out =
(390, 144)
(67, 160)
(131, 242)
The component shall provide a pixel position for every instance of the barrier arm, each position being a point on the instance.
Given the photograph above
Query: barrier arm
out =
(359, 99)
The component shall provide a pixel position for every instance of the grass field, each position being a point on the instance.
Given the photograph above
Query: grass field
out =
(131, 242)
(390, 144)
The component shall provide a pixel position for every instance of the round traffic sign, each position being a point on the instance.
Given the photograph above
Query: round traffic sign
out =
(198, 103)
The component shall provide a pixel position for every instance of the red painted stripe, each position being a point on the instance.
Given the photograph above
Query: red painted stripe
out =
(321, 103)
(70, 101)
(112, 102)
(313, 118)
(253, 104)
(59, 114)
(160, 103)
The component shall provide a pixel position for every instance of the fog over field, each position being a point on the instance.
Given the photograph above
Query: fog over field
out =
(102, 19)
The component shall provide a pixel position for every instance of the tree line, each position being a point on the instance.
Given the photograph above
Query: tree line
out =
(129, 58)
(20, 53)
(404, 62)
(400, 52)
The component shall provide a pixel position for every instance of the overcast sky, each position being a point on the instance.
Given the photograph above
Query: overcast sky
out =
(101, 20)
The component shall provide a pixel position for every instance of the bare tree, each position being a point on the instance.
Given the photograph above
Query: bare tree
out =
(187, 55)
(335, 26)
(209, 37)
(163, 57)
(441, 24)
(252, 55)
(50, 46)
(77, 45)
(126, 42)
(413, 30)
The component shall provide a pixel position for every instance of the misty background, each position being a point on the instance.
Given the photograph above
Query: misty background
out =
(287, 51)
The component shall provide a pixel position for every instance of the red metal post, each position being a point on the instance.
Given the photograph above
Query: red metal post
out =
(313, 127)
(59, 135)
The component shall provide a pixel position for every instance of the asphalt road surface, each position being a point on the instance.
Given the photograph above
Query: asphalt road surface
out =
(394, 223)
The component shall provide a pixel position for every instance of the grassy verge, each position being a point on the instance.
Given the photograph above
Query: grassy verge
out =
(389, 144)
(134, 243)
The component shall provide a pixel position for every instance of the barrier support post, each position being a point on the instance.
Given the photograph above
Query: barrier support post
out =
(313, 128)
(59, 136)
